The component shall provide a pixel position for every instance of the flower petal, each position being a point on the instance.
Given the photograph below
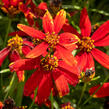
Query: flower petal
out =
(20, 75)
(33, 82)
(101, 32)
(19, 33)
(66, 55)
(101, 57)
(26, 49)
(42, 5)
(59, 20)
(85, 24)
(25, 64)
(48, 24)
(68, 28)
(3, 54)
(14, 55)
(44, 88)
(31, 31)
(102, 42)
(68, 38)
(90, 62)
(102, 92)
(37, 51)
(82, 60)
(61, 83)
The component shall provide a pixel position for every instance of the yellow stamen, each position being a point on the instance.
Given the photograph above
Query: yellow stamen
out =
(49, 63)
(86, 44)
(16, 43)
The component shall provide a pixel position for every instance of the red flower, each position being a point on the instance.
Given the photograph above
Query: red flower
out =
(87, 44)
(102, 92)
(15, 48)
(51, 39)
(1, 105)
(11, 7)
(49, 69)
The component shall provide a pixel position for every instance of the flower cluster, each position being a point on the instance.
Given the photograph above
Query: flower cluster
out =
(46, 48)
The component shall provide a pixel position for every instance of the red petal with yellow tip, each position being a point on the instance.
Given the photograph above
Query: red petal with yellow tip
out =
(102, 92)
(101, 32)
(44, 88)
(24, 64)
(68, 38)
(48, 24)
(101, 57)
(85, 24)
(33, 82)
(59, 21)
(68, 28)
(66, 55)
(71, 73)
(31, 31)
(61, 83)
(3, 54)
(103, 42)
(20, 75)
(37, 51)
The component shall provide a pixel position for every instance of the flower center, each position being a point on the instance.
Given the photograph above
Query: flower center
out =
(52, 39)
(86, 44)
(11, 10)
(16, 43)
(49, 63)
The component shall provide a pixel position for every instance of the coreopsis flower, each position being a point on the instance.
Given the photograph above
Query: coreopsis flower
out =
(67, 106)
(51, 40)
(11, 7)
(102, 92)
(88, 43)
(51, 73)
(16, 48)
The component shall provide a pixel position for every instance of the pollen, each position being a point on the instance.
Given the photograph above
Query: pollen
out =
(52, 39)
(86, 44)
(67, 106)
(16, 43)
(49, 63)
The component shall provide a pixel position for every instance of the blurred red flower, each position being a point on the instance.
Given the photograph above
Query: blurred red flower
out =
(102, 92)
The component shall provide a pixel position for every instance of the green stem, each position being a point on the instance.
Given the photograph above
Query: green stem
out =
(82, 93)
(7, 32)
(33, 99)
(107, 77)
(10, 85)
(51, 100)
(5, 70)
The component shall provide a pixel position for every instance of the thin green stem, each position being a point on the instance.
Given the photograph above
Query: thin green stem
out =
(7, 32)
(10, 85)
(30, 107)
(5, 71)
(107, 77)
(51, 100)
(82, 93)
